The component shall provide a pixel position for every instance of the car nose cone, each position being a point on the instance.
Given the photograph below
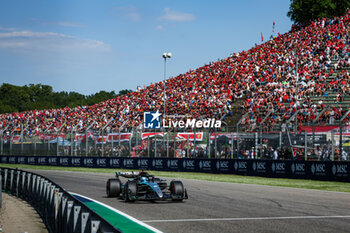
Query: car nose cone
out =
(157, 190)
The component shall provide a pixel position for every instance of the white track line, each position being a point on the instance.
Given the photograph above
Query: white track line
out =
(245, 219)
(121, 213)
(272, 186)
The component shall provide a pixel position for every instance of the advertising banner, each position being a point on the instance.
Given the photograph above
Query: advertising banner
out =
(82, 136)
(224, 166)
(151, 135)
(295, 169)
(99, 140)
(318, 129)
(227, 135)
(124, 137)
(190, 136)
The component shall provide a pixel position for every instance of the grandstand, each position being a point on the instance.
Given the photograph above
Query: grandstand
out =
(296, 79)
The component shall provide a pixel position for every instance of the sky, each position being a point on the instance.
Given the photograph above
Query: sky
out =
(88, 45)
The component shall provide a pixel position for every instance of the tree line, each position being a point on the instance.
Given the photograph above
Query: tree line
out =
(303, 11)
(37, 97)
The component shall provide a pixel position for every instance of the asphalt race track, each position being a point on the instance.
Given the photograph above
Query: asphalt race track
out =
(225, 207)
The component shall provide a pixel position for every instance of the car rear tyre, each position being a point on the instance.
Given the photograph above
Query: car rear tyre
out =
(113, 188)
(177, 190)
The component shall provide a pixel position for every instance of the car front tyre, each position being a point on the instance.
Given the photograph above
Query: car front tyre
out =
(177, 190)
(113, 188)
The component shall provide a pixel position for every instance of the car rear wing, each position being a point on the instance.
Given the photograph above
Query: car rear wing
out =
(127, 174)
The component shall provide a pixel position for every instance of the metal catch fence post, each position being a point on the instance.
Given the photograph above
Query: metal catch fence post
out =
(38, 189)
(58, 214)
(188, 147)
(215, 144)
(48, 203)
(11, 180)
(2, 144)
(148, 147)
(232, 145)
(28, 189)
(167, 144)
(155, 143)
(69, 216)
(64, 219)
(209, 142)
(32, 186)
(63, 222)
(0, 189)
(23, 191)
(42, 197)
(17, 183)
(5, 180)
(174, 144)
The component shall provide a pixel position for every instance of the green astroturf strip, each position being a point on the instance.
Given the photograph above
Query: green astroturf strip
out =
(119, 221)
(123, 223)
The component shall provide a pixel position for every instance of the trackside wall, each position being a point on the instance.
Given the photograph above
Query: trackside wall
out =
(315, 170)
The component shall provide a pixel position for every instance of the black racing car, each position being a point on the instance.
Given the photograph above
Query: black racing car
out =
(142, 186)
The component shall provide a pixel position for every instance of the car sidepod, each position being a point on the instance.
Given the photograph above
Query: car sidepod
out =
(130, 191)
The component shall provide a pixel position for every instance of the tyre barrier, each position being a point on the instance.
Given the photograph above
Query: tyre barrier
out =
(60, 211)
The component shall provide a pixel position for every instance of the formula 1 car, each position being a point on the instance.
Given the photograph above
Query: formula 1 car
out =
(142, 186)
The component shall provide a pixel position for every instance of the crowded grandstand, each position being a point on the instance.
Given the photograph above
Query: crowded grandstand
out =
(294, 80)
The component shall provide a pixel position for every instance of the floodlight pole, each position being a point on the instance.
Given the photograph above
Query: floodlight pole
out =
(165, 56)
(164, 84)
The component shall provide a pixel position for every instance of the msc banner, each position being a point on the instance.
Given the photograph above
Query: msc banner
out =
(317, 170)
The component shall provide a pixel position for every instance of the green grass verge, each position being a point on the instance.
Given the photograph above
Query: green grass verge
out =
(294, 183)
